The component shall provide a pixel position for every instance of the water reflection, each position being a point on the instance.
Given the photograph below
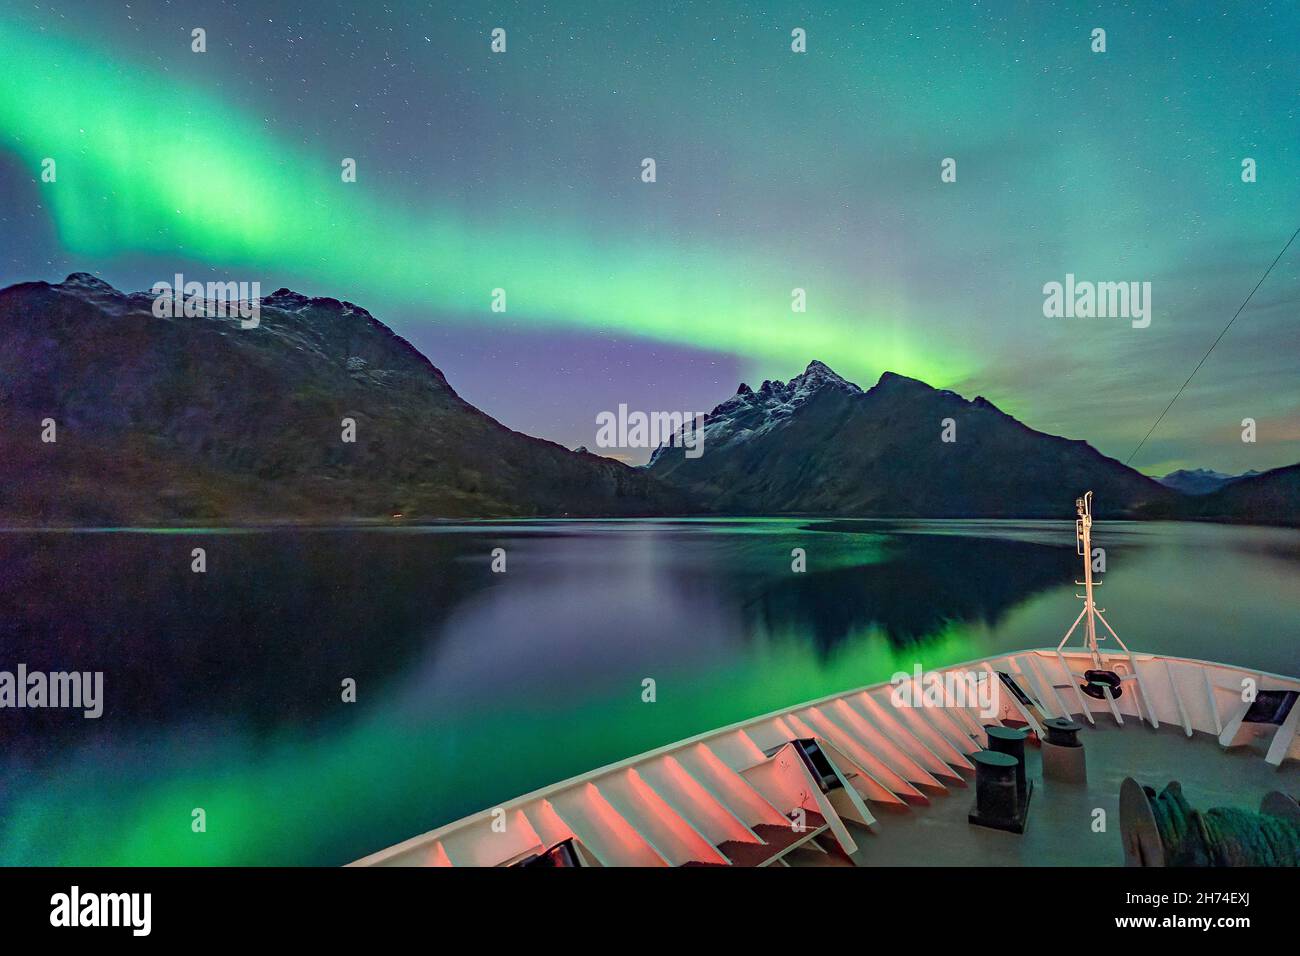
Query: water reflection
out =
(923, 585)
(262, 637)
(223, 689)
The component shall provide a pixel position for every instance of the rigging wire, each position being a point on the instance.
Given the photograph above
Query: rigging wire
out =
(1211, 348)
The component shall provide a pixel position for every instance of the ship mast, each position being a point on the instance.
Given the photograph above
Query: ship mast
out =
(1090, 614)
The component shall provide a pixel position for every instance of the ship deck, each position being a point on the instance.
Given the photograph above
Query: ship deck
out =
(1059, 831)
(889, 782)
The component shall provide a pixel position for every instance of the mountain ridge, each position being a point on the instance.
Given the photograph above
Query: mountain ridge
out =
(191, 418)
(1201, 481)
(878, 452)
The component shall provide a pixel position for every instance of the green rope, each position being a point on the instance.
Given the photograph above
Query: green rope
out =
(1221, 836)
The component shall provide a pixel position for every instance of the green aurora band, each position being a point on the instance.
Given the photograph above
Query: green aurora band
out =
(148, 165)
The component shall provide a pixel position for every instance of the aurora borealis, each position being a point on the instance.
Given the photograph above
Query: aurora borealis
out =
(775, 170)
(521, 171)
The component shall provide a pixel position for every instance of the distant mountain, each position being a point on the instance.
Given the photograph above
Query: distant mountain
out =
(821, 445)
(195, 418)
(1200, 481)
(1270, 497)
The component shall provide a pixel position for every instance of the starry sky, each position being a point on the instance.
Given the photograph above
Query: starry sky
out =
(775, 170)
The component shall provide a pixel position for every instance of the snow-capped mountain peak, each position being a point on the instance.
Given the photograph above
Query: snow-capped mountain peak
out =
(1200, 481)
(775, 394)
(753, 412)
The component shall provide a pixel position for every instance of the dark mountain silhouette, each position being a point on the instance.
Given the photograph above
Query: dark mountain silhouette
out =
(165, 419)
(820, 445)
(1271, 497)
(193, 419)
(1200, 481)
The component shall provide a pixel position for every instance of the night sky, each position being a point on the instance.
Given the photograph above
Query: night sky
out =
(775, 170)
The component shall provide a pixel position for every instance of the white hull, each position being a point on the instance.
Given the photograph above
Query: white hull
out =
(720, 798)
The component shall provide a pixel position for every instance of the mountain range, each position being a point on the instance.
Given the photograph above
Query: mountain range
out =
(821, 445)
(1200, 481)
(193, 418)
(1269, 497)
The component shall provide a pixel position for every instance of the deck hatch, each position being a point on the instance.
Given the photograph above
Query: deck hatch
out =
(1271, 707)
(562, 855)
(1015, 689)
(813, 758)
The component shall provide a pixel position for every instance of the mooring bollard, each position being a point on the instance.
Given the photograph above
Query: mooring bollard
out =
(1063, 757)
(997, 800)
(1011, 741)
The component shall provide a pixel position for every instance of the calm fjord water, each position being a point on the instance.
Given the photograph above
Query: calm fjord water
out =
(223, 690)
